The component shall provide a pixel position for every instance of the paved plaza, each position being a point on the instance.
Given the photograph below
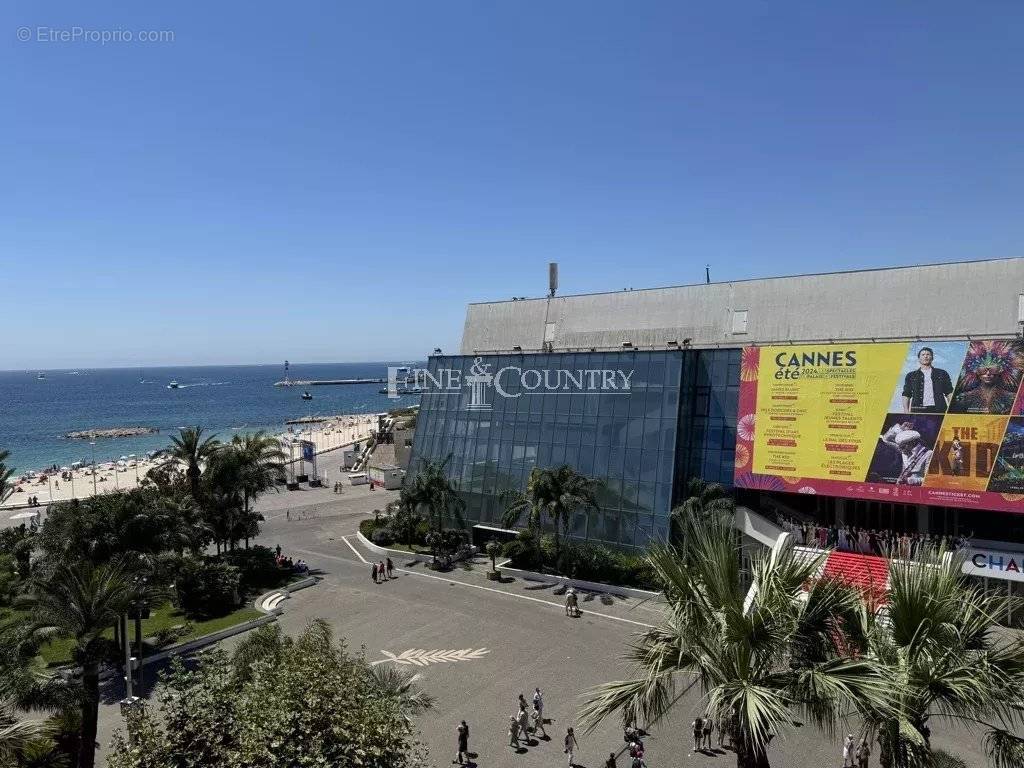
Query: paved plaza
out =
(475, 645)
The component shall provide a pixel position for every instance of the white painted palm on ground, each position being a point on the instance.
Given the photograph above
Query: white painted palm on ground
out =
(419, 657)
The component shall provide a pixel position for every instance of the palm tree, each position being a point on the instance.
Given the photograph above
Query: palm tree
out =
(6, 489)
(82, 601)
(400, 686)
(432, 489)
(703, 500)
(191, 449)
(758, 661)
(18, 736)
(937, 638)
(222, 496)
(261, 463)
(556, 493)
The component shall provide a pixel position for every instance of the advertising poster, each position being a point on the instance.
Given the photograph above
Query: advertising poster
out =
(921, 422)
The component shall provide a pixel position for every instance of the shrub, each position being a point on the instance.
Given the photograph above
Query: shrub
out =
(383, 536)
(522, 551)
(256, 567)
(366, 527)
(207, 587)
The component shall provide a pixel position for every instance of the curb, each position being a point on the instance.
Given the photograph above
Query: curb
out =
(586, 586)
(270, 602)
(402, 553)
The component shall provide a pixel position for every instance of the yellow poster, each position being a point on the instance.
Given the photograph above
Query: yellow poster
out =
(820, 408)
(965, 451)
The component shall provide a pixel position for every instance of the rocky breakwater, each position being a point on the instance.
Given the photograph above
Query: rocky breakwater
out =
(110, 432)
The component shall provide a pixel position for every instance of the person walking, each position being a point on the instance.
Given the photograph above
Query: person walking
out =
(524, 723)
(462, 734)
(707, 733)
(522, 701)
(864, 753)
(698, 733)
(513, 732)
(848, 751)
(538, 702)
(610, 762)
(538, 722)
(380, 569)
(374, 573)
(391, 568)
(571, 745)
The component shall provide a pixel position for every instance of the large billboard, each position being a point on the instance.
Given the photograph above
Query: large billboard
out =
(913, 422)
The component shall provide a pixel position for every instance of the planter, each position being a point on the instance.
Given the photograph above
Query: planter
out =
(494, 575)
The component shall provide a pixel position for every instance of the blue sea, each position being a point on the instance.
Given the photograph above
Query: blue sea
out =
(35, 413)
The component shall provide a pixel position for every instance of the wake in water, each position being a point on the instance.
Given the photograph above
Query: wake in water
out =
(204, 384)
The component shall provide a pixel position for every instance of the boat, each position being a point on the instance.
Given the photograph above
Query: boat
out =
(173, 385)
(41, 376)
(306, 395)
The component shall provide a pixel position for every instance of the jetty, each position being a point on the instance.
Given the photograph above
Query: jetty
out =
(95, 434)
(325, 382)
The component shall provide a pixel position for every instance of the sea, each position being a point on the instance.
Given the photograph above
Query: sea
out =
(35, 412)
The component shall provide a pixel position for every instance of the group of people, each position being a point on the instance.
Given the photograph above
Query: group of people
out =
(382, 571)
(856, 755)
(33, 501)
(339, 487)
(286, 563)
(527, 719)
(869, 541)
(703, 727)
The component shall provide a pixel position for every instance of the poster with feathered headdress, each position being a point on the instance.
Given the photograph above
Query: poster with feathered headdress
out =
(990, 377)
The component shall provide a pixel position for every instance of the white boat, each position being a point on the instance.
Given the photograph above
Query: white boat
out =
(40, 375)
(173, 385)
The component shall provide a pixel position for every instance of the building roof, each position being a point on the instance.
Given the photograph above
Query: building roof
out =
(933, 301)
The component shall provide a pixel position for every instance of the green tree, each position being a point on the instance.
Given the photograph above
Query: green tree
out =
(759, 664)
(6, 487)
(280, 702)
(552, 493)
(18, 736)
(703, 501)
(193, 450)
(939, 641)
(261, 462)
(82, 601)
(222, 496)
(433, 490)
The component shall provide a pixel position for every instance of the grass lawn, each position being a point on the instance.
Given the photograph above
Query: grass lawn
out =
(166, 616)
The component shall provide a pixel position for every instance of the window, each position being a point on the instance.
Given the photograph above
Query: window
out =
(739, 321)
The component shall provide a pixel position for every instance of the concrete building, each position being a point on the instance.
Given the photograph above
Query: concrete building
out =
(691, 355)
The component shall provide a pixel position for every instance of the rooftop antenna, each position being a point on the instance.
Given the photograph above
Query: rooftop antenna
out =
(552, 278)
(707, 274)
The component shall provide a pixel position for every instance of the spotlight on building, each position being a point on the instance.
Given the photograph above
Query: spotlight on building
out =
(673, 343)
(517, 348)
(627, 345)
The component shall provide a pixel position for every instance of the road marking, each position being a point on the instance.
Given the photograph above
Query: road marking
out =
(471, 586)
(355, 551)
(422, 658)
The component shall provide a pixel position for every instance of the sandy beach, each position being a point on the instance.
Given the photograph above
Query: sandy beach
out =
(331, 434)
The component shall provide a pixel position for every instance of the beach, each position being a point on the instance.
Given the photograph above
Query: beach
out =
(329, 434)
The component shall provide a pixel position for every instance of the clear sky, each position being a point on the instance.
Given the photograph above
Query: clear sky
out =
(329, 181)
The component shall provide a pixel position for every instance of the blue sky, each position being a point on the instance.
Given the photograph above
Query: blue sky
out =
(335, 181)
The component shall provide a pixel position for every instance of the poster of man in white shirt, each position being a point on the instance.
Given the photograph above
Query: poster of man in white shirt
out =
(925, 384)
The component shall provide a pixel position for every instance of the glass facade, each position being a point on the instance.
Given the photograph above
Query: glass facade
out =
(676, 420)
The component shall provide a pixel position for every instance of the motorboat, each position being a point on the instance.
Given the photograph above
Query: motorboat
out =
(306, 395)
(173, 385)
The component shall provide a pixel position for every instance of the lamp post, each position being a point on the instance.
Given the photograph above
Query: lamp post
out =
(93, 444)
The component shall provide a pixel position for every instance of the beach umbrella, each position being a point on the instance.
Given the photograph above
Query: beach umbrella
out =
(65, 469)
(124, 458)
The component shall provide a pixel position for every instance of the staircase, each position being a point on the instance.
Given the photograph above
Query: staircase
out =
(868, 573)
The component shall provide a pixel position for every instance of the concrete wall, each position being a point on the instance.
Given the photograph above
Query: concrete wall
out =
(943, 300)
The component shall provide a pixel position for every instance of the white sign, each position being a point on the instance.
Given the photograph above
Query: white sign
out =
(995, 565)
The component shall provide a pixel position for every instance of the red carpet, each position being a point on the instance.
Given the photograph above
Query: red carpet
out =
(867, 572)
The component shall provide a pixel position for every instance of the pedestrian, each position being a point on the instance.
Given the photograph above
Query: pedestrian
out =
(571, 745)
(707, 733)
(610, 762)
(513, 732)
(848, 750)
(538, 722)
(380, 569)
(277, 550)
(391, 568)
(698, 733)
(863, 753)
(462, 733)
(374, 572)
(638, 761)
(287, 514)
(538, 702)
(524, 724)
(522, 701)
